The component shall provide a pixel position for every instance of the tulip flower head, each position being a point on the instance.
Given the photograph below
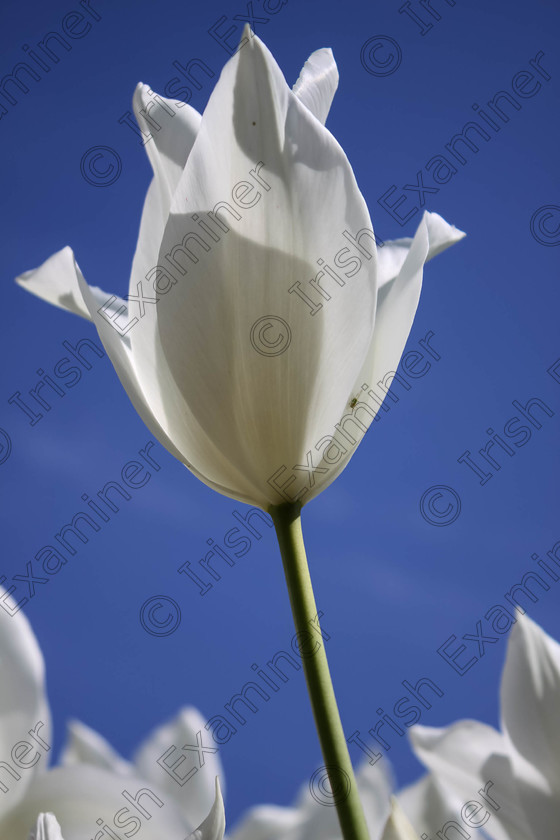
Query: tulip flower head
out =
(261, 309)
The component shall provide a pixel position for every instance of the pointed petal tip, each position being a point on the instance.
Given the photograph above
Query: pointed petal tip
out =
(24, 278)
(318, 82)
(525, 627)
(437, 222)
(139, 97)
(247, 33)
(214, 826)
(397, 826)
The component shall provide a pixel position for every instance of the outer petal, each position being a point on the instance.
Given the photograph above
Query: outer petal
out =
(393, 253)
(171, 434)
(272, 409)
(196, 797)
(168, 149)
(83, 794)
(85, 746)
(60, 281)
(396, 307)
(317, 83)
(464, 758)
(55, 281)
(23, 703)
(172, 126)
(214, 826)
(530, 699)
(47, 828)
(397, 826)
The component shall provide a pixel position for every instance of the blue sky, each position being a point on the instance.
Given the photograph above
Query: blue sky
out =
(393, 586)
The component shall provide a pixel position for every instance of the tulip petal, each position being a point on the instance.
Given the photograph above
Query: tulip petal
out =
(55, 281)
(83, 794)
(85, 746)
(61, 272)
(214, 826)
(429, 806)
(270, 821)
(23, 702)
(114, 335)
(168, 149)
(317, 83)
(195, 797)
(59, 281)
(392, 254)
(271, 409)
(396, 307)
(397, 826)
(172, 126)
(464, 759)
(530, 701)
(47, 828)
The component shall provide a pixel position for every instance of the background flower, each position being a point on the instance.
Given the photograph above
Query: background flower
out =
(92, 778)
(520, 762)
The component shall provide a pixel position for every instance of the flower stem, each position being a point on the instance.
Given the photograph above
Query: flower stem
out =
(287, 521)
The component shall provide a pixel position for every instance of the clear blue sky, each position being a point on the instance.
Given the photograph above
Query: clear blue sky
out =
(393, 587)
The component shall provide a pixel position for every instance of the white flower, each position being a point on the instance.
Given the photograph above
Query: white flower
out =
(255, 321)
(89, 786)
(513, 774)
(313, 815)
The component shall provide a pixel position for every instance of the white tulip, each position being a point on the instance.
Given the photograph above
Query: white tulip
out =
(260, 310)
(89, 784)
(513, 774)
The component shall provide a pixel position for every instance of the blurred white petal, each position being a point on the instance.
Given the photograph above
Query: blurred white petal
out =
(214, 826)
(24, 711)
(196, 796)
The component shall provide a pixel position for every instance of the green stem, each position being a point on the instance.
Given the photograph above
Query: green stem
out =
(287, 522)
